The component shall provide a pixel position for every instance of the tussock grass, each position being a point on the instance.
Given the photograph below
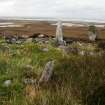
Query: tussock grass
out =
(74, 82)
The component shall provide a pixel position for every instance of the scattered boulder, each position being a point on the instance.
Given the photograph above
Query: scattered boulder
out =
(10, 39)
(29, 40)
(7, 83)
(45, 49)
(19, 42)
(21, 39)
(38, 35)
(40, 40)
(41, 36)
(46, 42)
(28, 67)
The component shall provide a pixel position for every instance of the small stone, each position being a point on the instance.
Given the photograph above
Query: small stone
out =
(29, 40)
(82, 52)
(46, 42)
(18, 42)
(45, 49)
(7, 83)
(11, 39)
(41, 35)
(28, 67)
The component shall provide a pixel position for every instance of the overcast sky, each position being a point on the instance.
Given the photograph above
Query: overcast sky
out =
(77, 9)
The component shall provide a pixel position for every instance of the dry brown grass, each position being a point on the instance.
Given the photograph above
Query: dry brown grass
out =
(46, 28)
(32, 93)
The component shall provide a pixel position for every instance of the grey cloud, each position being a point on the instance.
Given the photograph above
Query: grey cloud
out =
(90, 9)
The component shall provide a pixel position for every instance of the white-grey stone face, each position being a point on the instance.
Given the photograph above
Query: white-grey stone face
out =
(59, 32)
(75, 9)
(92, 36)
(7, 83)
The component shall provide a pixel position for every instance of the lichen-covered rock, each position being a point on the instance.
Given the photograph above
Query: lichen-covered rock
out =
(47, 72)
(7, 83)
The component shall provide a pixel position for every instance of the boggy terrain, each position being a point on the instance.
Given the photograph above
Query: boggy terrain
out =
(71, 30)
(77, 70)
(77, 77)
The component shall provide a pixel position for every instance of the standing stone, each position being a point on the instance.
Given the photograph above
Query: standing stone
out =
(92, 33)
(47, 73)
(59, 34)
(92, 36)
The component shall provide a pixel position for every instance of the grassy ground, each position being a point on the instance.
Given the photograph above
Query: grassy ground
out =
(77, 80)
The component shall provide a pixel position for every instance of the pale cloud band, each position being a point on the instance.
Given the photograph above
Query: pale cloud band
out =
(78, 9)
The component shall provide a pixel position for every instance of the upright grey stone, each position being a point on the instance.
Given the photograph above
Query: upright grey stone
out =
(59, 33)
(92, 33)
(92, 36)
(47, 73)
